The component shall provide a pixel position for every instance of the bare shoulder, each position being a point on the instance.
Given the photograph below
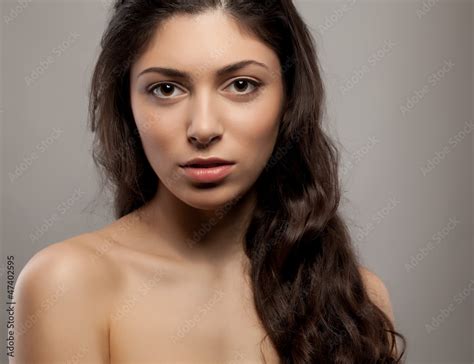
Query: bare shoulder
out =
(63, 295)
(377, 291)
(74, 262)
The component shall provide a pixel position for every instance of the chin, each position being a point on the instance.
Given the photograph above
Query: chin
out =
(210, 198)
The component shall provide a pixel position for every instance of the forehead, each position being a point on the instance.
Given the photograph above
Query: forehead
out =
(202, 43)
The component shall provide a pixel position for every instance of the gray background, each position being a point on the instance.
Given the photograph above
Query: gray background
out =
(376, 57)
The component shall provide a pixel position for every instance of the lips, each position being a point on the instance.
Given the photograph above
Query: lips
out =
(206, 162)
(210, 165)
(207, 170)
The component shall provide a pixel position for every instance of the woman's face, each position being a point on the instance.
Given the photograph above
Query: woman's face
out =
(197, 111)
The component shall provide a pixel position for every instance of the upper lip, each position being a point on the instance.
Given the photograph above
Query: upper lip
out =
(206, 161)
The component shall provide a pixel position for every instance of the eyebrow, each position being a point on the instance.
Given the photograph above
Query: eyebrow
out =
(171, 72)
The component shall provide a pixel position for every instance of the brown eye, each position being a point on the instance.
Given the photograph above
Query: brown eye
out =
(243, 84)
(165, 88)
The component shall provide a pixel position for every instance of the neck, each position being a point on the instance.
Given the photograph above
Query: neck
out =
(212, 236)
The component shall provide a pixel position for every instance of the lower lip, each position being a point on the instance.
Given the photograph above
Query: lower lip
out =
(211, 174)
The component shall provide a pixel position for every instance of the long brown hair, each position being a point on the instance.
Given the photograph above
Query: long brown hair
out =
(308, 290)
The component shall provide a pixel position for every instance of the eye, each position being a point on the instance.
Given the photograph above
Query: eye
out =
(166, 89)
(242, 84)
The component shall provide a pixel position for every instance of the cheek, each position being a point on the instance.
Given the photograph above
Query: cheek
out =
(158, 135)
(255, 128)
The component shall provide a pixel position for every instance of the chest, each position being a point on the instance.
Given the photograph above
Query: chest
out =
(178, 318)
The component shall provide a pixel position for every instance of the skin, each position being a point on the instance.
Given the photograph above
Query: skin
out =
(175, 125)
(143, 289)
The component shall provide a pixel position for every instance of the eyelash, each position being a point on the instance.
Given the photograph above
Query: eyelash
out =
(256, 84)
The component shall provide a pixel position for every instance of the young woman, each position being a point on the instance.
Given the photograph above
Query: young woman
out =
(228, 246)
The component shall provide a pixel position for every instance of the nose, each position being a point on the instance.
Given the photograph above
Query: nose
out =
(204, 128)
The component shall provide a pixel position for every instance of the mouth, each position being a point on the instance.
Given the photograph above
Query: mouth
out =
(207, 173)
(209, 162)
(208, 165)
